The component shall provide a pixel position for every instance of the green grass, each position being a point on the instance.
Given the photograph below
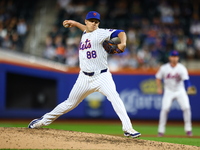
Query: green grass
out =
(150, 131)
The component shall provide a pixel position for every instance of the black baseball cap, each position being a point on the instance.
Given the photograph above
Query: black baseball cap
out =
(174, 53)
(93, 15)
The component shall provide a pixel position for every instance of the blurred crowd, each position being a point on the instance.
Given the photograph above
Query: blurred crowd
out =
(15, 16)
(153, 29)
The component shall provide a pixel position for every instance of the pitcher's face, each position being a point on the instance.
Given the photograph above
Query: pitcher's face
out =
(91, 25)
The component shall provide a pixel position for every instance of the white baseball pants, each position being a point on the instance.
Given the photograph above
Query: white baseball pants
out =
(85, 85)
(183, 100)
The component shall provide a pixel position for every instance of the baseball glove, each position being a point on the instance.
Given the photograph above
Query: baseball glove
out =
(111, 48)
(192, 90)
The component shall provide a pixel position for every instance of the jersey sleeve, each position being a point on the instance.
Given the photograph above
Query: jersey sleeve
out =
(159, 74)
(104, 34)
(115, 33)
(185, 75)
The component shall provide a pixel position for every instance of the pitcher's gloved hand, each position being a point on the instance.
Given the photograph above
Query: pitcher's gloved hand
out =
(111, 48)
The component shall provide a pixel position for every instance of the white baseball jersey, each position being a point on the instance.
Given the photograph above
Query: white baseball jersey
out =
(173, 77)
(92, 55)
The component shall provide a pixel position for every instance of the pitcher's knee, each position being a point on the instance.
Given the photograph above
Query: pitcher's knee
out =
(69, 105)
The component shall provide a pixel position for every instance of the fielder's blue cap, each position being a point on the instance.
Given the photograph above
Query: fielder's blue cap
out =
(93, 15)
(174, 53)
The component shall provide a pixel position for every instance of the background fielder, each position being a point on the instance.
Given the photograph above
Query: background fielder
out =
(94, 74)
(175, 78)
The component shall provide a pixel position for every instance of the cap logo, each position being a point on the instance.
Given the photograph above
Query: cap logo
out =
(174, 53)
(93, 15)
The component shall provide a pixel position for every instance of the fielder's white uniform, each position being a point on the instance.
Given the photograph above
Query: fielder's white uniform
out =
(93, 60)
(173, 79)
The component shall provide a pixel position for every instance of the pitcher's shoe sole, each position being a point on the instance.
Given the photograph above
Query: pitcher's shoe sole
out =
(33, 122)
(133, 135)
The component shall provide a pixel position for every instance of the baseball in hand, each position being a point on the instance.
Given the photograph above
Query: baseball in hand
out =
(66, 26)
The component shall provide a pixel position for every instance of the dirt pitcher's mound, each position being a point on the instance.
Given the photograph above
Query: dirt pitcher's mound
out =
(24, 138)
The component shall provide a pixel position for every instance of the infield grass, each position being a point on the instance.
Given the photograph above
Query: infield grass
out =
(174, 133)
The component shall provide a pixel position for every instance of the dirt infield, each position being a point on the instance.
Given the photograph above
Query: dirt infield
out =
(24, 138)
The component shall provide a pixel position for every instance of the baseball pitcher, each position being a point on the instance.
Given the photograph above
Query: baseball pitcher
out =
(94, 73)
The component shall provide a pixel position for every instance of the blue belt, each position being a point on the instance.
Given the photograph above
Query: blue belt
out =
(92, 73)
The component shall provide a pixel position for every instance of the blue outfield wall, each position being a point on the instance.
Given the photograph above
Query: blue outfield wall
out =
(136, 91)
